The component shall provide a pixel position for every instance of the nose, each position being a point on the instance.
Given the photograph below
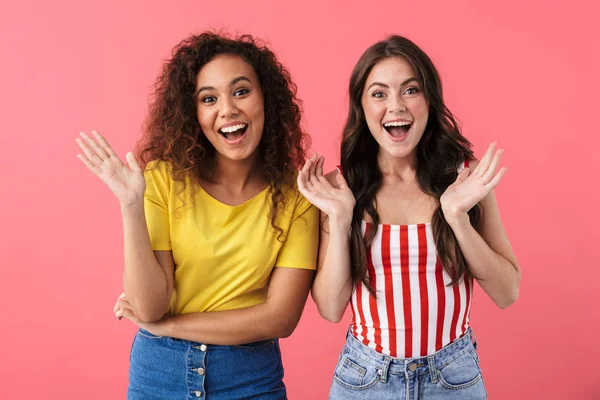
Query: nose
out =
(396, 104)
(228, 108)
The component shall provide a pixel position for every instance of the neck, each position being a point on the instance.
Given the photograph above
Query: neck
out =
(398, 167)
(236, 174)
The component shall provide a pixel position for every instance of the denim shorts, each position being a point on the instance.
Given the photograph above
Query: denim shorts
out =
(451, 373)
(167, 368)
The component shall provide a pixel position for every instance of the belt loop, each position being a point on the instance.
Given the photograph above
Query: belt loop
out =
(473, 339)
(383, 372)
(432, 371)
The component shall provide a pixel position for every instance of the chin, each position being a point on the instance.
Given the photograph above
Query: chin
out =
(399, 152)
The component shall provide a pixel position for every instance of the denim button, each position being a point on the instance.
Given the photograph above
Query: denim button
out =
(412, 367)
(198, 393)
(203, 347)
(200, 371)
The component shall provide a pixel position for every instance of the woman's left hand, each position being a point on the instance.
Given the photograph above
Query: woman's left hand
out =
(123, 309)
(471, 187)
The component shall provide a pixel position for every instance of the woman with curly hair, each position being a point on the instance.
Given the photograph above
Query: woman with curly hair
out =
(220, 247)
(409, 220)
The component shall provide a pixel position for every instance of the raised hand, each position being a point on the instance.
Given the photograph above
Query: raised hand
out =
(471, 187)
(337, 203)
(126, 181)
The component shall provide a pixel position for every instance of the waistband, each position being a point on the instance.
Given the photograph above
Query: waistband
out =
(419, 365)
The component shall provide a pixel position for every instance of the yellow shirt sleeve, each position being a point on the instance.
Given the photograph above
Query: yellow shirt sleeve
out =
(156, 205)
(300, 248)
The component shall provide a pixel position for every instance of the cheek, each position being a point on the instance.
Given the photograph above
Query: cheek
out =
(258, 115)
(204, 119)
(372, 113)
(421, 110)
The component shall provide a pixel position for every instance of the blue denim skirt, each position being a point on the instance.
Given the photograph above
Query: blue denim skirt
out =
(171, 369)
(451, 373)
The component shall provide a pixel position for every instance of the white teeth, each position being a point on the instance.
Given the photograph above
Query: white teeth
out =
(233, 128)
(397, 123)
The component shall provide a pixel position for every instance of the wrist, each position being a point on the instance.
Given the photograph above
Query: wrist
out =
(340, 223)
(456, 220)
(133, 208)
(167, 326)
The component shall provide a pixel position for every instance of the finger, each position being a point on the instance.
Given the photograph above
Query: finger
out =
(89, 152)
(118, 306)
(306, 167)
(300, 181)
(314, 161)
(494, 182)
(306, 172)
(319, 168)
(486, 160)
(132, 161)
(303, 183)
(126, 313)
(104, 144)
(92, 143)
(493, 166)
(89, 164)
(313, 169)
(123, 303)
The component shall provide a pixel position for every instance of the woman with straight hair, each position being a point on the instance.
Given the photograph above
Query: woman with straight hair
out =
(409, 221)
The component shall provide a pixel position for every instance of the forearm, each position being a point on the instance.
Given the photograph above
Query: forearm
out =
(144, 280)
(498, 276)
(332, 287)
(231, 327)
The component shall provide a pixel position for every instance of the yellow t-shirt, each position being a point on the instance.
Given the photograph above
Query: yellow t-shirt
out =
(224, 255)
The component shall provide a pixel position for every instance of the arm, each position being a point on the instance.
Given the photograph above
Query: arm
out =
(148, 277)
(148, 274)
(488, 252)
(276, 318)
(333, 284)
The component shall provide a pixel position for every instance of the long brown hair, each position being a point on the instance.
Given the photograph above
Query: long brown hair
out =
(439, 153)
(173, 133)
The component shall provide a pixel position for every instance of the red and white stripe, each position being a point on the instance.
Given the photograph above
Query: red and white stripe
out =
(415, 313)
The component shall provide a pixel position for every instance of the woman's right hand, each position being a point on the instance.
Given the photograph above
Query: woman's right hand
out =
(337, 202)
(126, 181)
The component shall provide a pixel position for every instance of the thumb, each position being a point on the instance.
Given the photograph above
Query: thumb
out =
(339, 178)
(131, 160)
(464, 174)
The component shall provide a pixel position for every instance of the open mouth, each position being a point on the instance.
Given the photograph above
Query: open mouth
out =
(397, 129)
(234, 132)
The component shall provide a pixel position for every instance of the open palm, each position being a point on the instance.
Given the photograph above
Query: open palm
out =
(471, 187)
(125, 181)
(335, 202)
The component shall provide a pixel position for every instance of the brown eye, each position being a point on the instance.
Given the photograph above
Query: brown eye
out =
(241, 92)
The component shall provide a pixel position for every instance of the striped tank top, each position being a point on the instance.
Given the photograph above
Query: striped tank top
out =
(415, 313)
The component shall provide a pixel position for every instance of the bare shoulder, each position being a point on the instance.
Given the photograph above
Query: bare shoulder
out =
(332, 178)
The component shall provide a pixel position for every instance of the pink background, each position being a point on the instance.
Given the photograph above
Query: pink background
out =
(523, 74)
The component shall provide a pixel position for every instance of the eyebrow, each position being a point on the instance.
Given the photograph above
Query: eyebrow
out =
(233, 82)
(387, 86)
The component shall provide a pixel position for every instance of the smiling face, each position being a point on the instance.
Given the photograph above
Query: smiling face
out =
(230, 106)
(395, 107)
